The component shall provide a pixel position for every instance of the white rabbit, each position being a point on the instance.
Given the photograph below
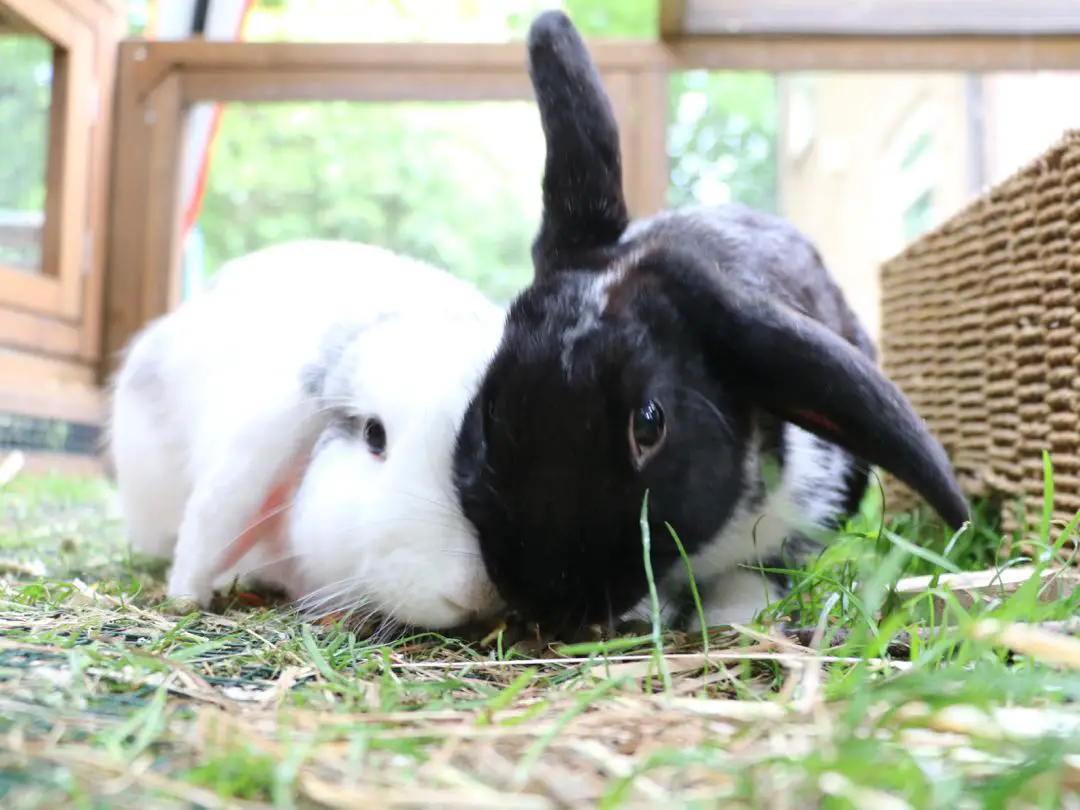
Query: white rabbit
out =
(333, 373)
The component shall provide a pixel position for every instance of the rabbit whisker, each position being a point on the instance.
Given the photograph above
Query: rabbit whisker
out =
(277, 510)
(262, 566)
(327, 600)
(710, 406)
(358, 529)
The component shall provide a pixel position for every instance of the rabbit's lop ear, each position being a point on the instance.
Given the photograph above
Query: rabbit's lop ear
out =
(796, 368)
(584, 207)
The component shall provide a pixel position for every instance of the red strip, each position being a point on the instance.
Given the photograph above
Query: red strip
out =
(821, 421)
(191, 215)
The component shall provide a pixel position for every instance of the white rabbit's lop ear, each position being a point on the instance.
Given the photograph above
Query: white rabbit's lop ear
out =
(584, 205)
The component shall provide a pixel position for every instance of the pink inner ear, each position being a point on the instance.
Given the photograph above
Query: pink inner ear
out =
(268, 522)
(820, 421)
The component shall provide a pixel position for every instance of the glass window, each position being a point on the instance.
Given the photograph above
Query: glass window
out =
(26, 66)
(456, 184)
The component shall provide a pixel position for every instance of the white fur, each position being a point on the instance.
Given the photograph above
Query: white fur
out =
(735, 597)
(590, 308)
(209, 408)
(810, 492)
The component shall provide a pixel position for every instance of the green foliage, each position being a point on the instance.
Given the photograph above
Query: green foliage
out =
(440, 182)
(138, 14)
(615, 19)
(723, 134)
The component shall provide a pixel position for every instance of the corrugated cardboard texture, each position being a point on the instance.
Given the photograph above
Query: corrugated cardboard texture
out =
(981, 329)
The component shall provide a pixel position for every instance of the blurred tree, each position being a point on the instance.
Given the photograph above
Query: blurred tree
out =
(26, 65)
(614, 19)
(25, 97)
(722, 139)
(430, 180)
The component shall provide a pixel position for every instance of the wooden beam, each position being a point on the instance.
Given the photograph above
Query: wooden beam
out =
(672, 18)
(109, 27)
(11, 23)
(82, 404)
(28, 371)
(128, 190)
(63, 464)
(477, 57)
(651, 129)
(805, 52)
(47, 388)
(153, 61)
(348, 85)
(39, 333)
(46, 19)
(892, 18)
(95, 11)
(161, 199)
(620, 90)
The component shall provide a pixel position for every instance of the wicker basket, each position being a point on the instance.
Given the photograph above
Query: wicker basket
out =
(981, 329)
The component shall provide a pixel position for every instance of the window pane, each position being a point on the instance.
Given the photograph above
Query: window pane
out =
(455, 184)
(722, 139)
(25, 98)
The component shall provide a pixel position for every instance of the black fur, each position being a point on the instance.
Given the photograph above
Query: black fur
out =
(558, 504)
(725, 315)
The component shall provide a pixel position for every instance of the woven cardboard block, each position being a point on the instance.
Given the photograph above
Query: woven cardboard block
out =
(981, 330)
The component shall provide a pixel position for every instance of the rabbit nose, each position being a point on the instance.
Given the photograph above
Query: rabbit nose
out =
(474, 601)
(459, 607)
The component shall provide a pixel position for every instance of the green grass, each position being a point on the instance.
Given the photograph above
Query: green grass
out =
(106, 701)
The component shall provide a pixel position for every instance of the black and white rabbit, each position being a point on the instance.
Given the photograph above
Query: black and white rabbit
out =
(677, 355)
(338, 374)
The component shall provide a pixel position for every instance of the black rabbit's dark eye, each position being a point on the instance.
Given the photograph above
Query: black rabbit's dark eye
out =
(375, 437)
(648, 430)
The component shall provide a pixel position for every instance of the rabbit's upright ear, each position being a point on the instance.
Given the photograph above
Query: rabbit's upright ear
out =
(584, 206)
(791, 365)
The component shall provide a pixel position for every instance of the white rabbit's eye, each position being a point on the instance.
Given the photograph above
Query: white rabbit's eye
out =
(648, 430)
(375, 437)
